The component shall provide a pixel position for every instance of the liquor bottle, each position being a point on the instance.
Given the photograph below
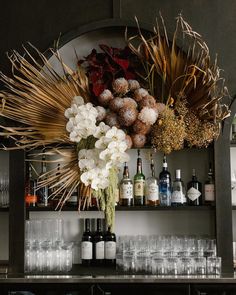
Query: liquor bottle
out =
(151, 188)
(178, 192)
(110, 247)
(73, 200)
(126, 188)
(98, 244)
(139, 184)
(234, 129)
(87, 245)
(209, 188)
(43, 191)
(165, 185)
(194, 193)
(30, 189)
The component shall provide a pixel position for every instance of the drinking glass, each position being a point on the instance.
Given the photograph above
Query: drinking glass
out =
(186, 266)
(158, 265)
(199, 264)
(172, 266)
(213, 265)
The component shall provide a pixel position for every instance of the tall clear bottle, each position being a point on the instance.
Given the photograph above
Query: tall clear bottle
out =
(139, 184)
(30, 189)
(194, 191)
(43, 191)
(178, 197)
(151, 187)
(87, 245)
(209, 188)
(126, 188)
(165, 185)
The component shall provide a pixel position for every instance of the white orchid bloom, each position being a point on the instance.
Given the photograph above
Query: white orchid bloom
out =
(78, 100)
(105, 155)
(115, 134)
(120, 146)
(86, 178)
(104, 183)
(87, 164)
(101, 130)
(101, 143)
(119, 158)
(74, 137)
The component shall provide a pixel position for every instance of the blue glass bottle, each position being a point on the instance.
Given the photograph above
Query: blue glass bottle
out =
(165, 185)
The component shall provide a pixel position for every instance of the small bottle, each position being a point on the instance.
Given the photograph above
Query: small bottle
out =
(165, 185)
(98, 245)
(87, 245)
(178, 192)
(110, 247)
(194, 193)
(209, 188)
(30, 189)
(151, 188)
(43, 191)
(73, 200)
(126, 188)
(139, 184)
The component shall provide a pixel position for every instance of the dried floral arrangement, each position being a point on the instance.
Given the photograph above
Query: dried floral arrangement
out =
(156, 92)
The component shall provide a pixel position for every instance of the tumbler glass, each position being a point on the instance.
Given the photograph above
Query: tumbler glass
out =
(213, 265)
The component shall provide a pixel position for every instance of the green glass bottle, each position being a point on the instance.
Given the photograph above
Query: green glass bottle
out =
(139, 184)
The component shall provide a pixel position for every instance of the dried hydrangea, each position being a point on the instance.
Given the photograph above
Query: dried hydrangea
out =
(148, 116)
(148, 101)
(199, 133)
(168, 132)
(128, 141)
(130, 101)
(120, 86)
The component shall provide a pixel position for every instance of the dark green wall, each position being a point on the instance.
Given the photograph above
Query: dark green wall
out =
(41, 22)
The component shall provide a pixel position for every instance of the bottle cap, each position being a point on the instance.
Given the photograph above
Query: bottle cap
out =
(178, 174)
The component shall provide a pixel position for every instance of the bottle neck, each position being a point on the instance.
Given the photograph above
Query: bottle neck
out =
(87, 225)
(139, 166)
(126, 172)
(153, 170)
(99, 225)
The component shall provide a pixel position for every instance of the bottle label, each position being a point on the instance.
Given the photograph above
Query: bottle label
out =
(178, 197)
(99, 250)
(209, 192)
(193, 194)
(139, 187)
(86, 250)
(110, 250)
(152, 192)
(126, 191)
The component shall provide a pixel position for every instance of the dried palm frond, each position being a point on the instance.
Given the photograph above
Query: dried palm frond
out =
(36, 97)
(181, 68)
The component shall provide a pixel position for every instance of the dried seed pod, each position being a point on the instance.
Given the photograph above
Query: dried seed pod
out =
(105, 97)
(111, 120)
(127, 115)
(133, 85)
(138, 140)
(101, 113)
(120, 86)
(148, 115)
(116, 104)
(128, 141)
(128, 101)
(141, 128)
(148, 101)
(140, 93)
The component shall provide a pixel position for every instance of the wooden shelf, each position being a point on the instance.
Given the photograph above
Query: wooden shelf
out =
(133, 208)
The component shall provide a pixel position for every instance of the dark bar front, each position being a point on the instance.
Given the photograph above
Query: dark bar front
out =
(16, 211)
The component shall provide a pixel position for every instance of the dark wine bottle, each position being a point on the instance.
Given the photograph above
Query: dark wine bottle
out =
(87, 245)
(139, 183)
(98, 245)
(110, 247)
(165, 185)
(194, 191)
